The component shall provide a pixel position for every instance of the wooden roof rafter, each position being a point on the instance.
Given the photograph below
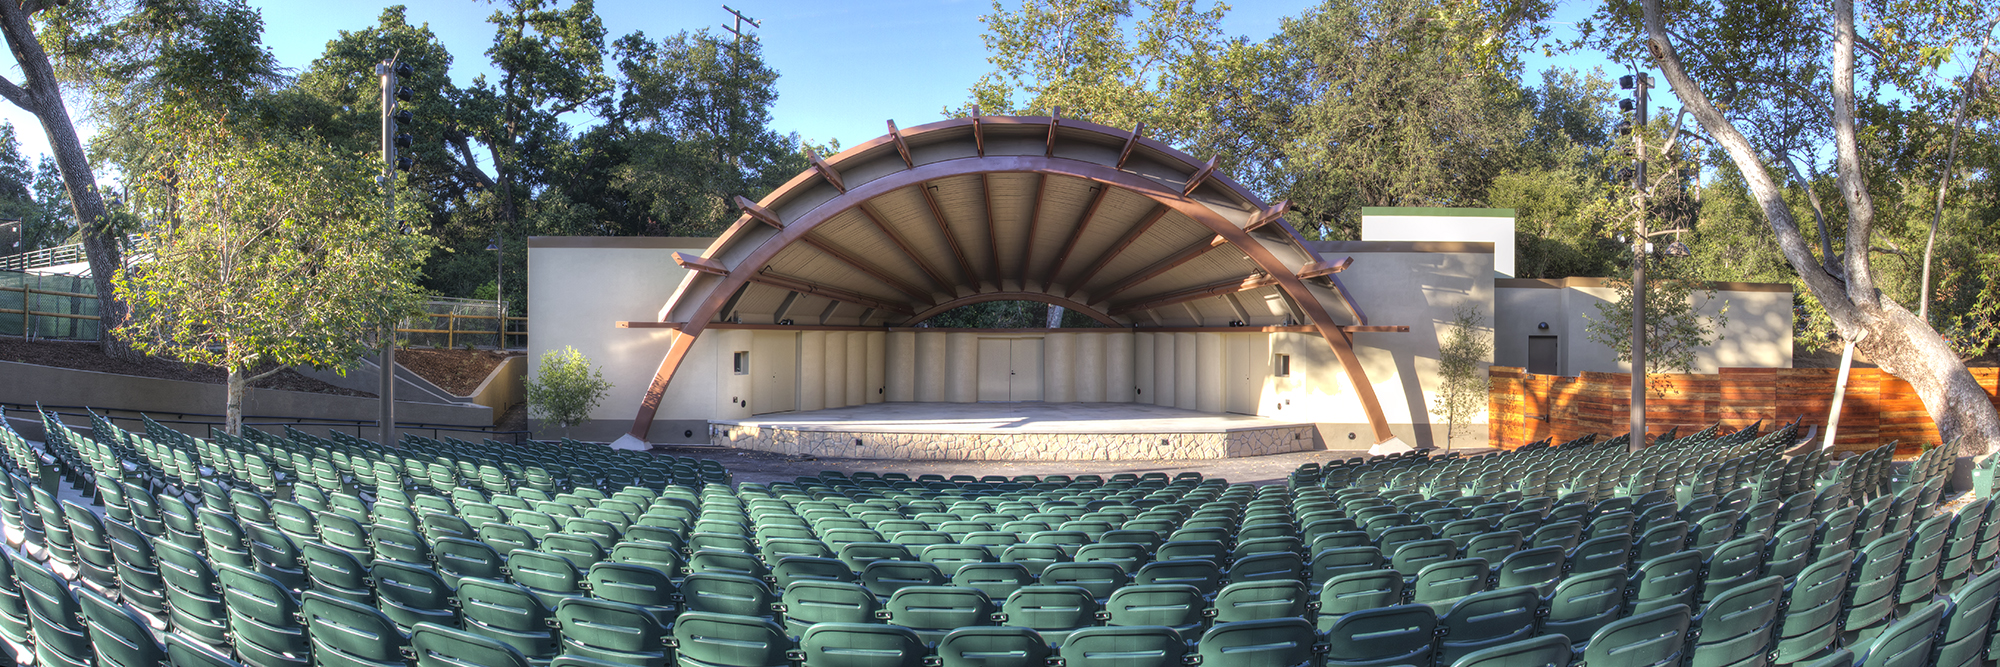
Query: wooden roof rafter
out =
(868, 268)
(943, 227)
(1118, 247)
(938, 281)
(1076, 234)
(1197, 293)
(808, 287)
(1183, 256)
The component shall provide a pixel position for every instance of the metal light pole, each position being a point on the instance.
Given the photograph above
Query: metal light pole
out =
(391, 73)
(1640, 82)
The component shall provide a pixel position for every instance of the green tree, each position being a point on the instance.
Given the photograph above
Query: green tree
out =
(1394, 107)
(565, 388)
(53, 220)
(1462, 386)
(1113, 62)
(692, 119)
(1677, 324)
(1701, 51)
(266, 255)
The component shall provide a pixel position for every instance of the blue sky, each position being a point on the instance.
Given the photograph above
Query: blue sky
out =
(845, 67)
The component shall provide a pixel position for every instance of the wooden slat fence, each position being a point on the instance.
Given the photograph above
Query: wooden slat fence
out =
(1524, 408)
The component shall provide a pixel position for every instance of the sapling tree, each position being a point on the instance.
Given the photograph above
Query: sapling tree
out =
(565, 388)
(267, 253)
(1462, 387)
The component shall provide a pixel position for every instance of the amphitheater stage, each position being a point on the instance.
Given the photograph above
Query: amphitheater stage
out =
(1014, 432)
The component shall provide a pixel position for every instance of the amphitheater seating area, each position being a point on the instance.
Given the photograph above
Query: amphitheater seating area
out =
(1716, 549)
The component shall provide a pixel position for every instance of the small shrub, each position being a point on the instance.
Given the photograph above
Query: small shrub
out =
(565, 388)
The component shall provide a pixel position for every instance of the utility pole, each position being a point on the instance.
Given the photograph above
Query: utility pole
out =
(391, 74)
(728, 135)
(1639, 82)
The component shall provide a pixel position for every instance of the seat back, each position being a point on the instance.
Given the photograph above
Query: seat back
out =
(1582, 603)
(507, 613)
(1395, 635)
(993, 647)
(726, 594)
(1489, 619)
(1908, 641)
(1123, 645)
(1544, 651)
(1257, 600)
(1357, 591)
(120, 636)
(807, 602)
(346, 634)
(1655, 638)
(861, 645)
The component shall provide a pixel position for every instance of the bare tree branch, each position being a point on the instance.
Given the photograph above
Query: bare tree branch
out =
(1849, 175)
(16, 94)
(1762, 187)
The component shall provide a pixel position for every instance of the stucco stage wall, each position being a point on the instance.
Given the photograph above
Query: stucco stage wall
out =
(1758, 333)
(581, 287)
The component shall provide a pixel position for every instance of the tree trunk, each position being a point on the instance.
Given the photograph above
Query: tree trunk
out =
(42, 96)
(1897, 340)
(233, 401)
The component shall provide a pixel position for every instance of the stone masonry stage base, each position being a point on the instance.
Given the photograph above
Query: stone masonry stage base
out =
(1014, 432)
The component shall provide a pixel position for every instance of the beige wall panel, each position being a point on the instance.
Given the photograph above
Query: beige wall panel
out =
(1143, 367)
(1059, 367)
(1209, 374)
(1239, 395)
(1166, 378)
(812, 370)
(1026, 384)
(836, 369)
(774, 362)
(900, 366)
(962, 367)
(1187, 372)
(874, 389)
(931, 370)
(857, 368)
(1089, 367)
(1118, 367)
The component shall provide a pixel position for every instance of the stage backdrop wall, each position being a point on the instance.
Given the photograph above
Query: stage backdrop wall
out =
(579, 287)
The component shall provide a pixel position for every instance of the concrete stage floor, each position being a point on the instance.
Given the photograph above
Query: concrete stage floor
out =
(1011, 418)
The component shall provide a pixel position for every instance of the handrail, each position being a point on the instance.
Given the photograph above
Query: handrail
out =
(267, 420)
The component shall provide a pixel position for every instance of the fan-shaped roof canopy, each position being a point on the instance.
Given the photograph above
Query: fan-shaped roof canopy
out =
(1100, 220)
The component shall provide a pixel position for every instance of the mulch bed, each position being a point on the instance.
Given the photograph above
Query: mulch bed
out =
(85, 356)
(456, 371)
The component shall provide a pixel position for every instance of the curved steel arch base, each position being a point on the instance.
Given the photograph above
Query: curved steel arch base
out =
(797, 229)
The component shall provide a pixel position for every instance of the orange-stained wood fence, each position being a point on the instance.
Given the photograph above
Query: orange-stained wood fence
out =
(1524, 408)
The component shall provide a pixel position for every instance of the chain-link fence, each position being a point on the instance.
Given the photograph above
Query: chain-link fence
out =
(65, 307)
(461, 323)
(38, 306)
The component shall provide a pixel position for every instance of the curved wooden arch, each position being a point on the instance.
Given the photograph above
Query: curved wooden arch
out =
(796, 229)
(1042, 297)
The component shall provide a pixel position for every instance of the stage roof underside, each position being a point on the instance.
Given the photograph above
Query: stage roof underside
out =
(1101, 220)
